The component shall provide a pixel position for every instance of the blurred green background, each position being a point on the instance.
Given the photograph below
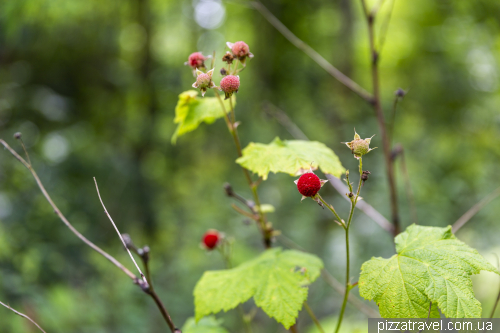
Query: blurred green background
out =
(93, 84)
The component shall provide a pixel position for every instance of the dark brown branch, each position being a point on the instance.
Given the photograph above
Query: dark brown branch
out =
(474, 210)
(23, 315)
(370, 18)
(298, 43)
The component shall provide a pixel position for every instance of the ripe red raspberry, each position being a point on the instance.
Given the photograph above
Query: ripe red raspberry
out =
(309, 184)
(196, 60)
(230, 84)
(211, 239)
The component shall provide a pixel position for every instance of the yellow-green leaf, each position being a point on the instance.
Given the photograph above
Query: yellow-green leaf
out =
(192, 110)
(289, 156)
(206, 325)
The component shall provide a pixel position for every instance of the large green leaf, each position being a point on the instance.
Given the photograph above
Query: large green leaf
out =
(430, 265)
(276, 279)
(292, 157)
(205, 325)
(192, 110)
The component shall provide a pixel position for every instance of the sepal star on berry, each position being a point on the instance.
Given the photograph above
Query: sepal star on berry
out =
(204, 81)
(358, 146)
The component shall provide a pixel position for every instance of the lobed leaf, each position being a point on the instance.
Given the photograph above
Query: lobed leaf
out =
(276, 279)
(431, 265)
(191, 110)
(289, 156)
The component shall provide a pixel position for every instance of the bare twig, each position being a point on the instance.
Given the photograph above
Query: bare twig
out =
(474, 210)
(313, 317)
(337, 184)
(142, 284)
(118, 232)
(23, 315)
(298, 43)
(63, 218)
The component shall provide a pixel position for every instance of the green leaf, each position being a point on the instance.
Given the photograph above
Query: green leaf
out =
(292, 157)
(205, 325)
(276, 279)
(192, 110)
(430, 265)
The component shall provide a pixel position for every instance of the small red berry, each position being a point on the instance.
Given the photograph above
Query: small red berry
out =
(309, 184)
(229, 84)
(211, 239)
(196, 60)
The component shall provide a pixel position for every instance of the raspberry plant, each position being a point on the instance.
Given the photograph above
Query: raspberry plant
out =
(429, 276)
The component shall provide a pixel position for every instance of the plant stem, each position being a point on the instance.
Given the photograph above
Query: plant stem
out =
(22, 315)
(266, 232)
(348, 285)
(313, 317)
(370, 18)
(330, 207)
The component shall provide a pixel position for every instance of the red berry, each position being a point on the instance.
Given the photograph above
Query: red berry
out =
(230, 84)
(240, 49)
(196, 60)
(308, 184)
(211, 239)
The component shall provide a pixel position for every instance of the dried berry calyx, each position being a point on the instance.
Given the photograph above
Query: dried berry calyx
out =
(229, 85)
(210, 239)
(358, 146)
(204, 81)
(309, 185)
(228, 58)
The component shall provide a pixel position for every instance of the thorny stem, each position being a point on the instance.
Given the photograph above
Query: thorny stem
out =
(266, 232)
(144, 286)
(348, 285)
(313, 317)
(370, 18)
(23, 315)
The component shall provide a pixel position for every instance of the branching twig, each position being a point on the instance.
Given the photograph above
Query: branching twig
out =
(118, 232)
(474, 210)
(143, 284)
(23, 315)
(298, 43)
(63, 218)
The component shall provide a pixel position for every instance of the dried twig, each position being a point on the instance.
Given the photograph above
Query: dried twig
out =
(23, 315)
(63, 218)
(118, 232)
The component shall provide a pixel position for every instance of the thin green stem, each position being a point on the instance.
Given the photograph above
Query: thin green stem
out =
(330, 207)
(233, 116)
(313, 317)
(348, 285)
(266, 232)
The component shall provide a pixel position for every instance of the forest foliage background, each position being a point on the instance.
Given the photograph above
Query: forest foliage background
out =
(92, 85)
